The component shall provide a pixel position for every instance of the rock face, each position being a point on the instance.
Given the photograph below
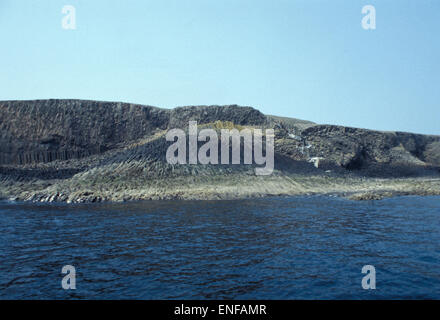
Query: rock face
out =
(354, 148)
(180, 116)
(75, 150)
(48, 130)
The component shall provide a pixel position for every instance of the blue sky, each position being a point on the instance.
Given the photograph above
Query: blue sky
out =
(305, 59)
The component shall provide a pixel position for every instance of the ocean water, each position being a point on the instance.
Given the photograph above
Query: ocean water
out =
(275, 248)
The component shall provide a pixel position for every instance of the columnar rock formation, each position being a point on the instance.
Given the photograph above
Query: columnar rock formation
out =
(53, 147)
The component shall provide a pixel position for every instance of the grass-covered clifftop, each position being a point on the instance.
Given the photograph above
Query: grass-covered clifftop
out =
(76, 151)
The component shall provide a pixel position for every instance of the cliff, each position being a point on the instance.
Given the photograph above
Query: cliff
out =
(76, 150)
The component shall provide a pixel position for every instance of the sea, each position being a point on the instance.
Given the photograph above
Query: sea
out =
(302, 247)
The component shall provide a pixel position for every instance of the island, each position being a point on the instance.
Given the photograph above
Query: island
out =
(75, 151)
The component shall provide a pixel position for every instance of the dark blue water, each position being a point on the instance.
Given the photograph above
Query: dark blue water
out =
(277, 248)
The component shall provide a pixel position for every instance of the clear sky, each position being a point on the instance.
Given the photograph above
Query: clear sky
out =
(304, 59)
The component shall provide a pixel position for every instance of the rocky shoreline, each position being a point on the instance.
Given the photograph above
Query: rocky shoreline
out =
(92, 197)
(219, 189)
(79, 151)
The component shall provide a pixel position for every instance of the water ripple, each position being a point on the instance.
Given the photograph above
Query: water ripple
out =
(277, 248)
